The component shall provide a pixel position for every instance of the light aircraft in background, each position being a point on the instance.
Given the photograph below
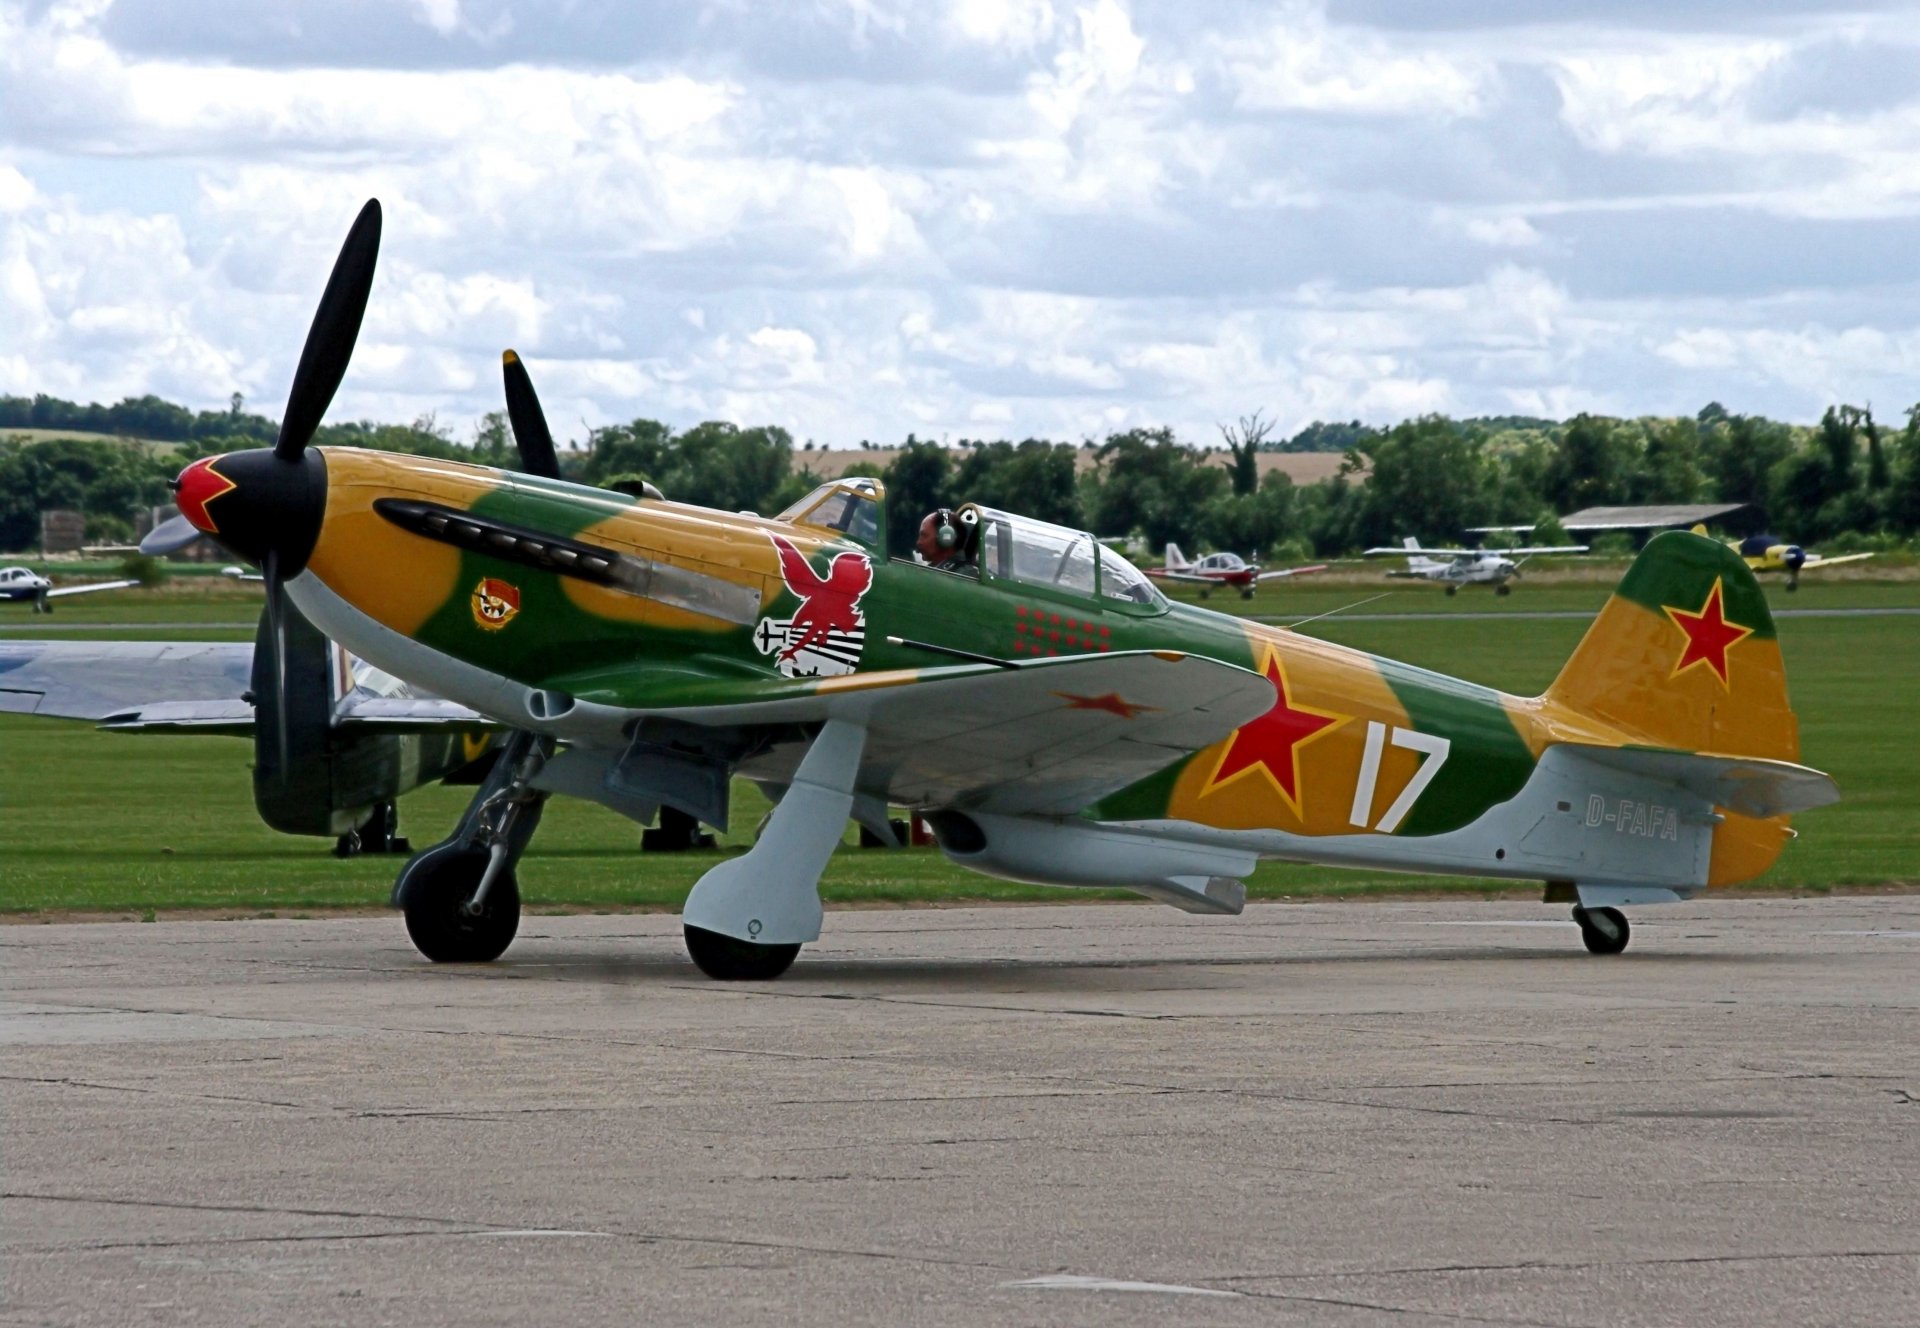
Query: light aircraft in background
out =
(1222, 569)
(1454, 568)
(1051, 714)
(22, 583)
(1770, 553)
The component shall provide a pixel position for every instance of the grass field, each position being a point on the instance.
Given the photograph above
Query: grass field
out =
(106, 822)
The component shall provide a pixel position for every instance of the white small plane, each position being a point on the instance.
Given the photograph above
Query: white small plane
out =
(1222, 569)
(1467, 567)
(21, 583)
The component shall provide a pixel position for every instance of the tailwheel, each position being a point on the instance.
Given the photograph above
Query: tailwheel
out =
(731, 960)
(444, 924)
(1604, 930)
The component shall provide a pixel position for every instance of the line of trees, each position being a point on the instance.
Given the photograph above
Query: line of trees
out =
(1845, 481)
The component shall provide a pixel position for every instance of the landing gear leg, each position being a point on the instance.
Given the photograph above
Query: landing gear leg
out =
(461, 897)
(1604, 930)
(748, 917)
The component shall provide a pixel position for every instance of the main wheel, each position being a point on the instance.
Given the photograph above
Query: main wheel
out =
(1246, 594)
(1452, 591)
(1205, 593)
(732, 960)
(1503, 589)
(438, 919)
(1604, 930)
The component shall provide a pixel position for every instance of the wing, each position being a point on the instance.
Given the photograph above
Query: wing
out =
(1162, 574)
(89, 588)
(1528, 551)
(1815, 560)
(1049, 736)
(1402, 551)
(1281, 572)
(95, 679)
(178, 686)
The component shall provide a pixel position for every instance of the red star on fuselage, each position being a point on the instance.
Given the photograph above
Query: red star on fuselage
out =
(1709, 636)
(1271, 744)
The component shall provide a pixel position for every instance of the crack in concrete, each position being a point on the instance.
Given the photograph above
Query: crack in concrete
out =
(442, 1227)
(1573, 1265)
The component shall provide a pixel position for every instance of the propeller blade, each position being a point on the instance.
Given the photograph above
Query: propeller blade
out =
(530, 431)
(277, 642)
(336, 325)
(170, 536)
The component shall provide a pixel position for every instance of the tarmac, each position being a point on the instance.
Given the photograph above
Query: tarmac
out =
(1335, 1113)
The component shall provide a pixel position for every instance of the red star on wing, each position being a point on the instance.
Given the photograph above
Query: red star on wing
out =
(1111, 703)
(1271, 744)
(1709, 636)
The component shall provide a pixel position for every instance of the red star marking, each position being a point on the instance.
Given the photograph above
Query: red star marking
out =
(1709, 636)
(1111, 703)
(1271, 744)
(198, 485)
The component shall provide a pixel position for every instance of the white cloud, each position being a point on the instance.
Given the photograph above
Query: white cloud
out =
(1303, 63)
(1037, 216)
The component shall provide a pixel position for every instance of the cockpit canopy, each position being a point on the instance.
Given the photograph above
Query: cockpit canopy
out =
(849, 507)
(1038, 553)
(1221, 562)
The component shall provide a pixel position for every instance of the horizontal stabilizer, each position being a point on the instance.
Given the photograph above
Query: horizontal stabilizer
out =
(1750, 785)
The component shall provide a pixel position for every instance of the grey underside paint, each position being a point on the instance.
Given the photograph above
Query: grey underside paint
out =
(1575, 819)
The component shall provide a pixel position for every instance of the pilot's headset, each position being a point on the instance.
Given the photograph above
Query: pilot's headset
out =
(946, 530)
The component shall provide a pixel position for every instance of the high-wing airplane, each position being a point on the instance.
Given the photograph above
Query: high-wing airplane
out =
(1222, 569)
(22, 583)
(331, 761)
(1048, 711)
(1467, 567)
(1770, 553)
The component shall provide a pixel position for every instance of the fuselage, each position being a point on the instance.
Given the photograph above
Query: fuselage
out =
(500, 625)
(18, 583)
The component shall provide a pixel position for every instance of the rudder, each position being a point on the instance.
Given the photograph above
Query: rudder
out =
(1685, 656)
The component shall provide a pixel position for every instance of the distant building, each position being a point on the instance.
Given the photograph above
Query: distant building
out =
(62, 531)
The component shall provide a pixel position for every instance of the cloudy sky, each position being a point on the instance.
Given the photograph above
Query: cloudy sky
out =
(972, 218)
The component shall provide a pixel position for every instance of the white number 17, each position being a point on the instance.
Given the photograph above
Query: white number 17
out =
(1412, 740)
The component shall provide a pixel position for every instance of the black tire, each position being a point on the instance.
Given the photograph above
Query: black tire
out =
(729, 960)
(1604, 930)
(1503, 589)
(1791, 587)
(1205, 593)
(437, 917)
(1452, 591)
(1246, 594)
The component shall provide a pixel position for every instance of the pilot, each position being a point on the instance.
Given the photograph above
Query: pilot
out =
(950, 541)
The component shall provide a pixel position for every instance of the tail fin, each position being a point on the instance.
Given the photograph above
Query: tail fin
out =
(1176, 561)
(1409, 543)
(1684, 657)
